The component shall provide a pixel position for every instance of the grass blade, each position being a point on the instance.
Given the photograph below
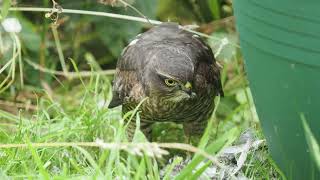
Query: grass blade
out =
(90, 159)
(5, 8)
(312, 142)
(225, 140)
(59, 49)
(141, 171)
(170, 168)
(38, 161)
(214, 8)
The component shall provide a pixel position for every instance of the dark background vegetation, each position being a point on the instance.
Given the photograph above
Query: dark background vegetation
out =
(103, 37)
(59, 108)
(84, 38)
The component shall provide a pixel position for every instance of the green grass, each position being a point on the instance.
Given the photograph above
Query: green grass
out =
(74, 114)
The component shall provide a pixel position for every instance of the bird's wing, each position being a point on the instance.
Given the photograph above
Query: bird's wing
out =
(125, 87)
(127, 81)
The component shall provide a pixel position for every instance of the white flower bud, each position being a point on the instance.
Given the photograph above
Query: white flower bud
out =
(11, 25)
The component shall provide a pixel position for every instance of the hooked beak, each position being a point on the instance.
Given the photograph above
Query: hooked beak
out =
(188, 89)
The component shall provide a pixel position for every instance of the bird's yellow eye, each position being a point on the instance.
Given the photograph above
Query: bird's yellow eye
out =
(170, 82)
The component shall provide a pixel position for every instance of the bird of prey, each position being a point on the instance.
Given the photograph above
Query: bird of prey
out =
(177, 74)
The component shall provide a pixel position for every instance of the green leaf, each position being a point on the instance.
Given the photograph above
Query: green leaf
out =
(141, 171)
(241, 97)
(215, 8)
(204, 10)
(312, 142)
(115, 34)
(29, 35)
(199, 171)
(5, 8)
(177, 10)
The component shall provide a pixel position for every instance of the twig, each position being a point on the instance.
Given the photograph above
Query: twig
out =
(122, 146)
(188, 147)
(207, 36)
(105, 14)
(222, 21)
(135, 9)
(69, 74)
(83, 12)
(59, 48)
(1, 44)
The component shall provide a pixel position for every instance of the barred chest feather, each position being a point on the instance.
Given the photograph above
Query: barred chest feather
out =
(159, 109)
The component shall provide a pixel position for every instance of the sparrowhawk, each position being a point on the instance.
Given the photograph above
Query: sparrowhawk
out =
(178, 73)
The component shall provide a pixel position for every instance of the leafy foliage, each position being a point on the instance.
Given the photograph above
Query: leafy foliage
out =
(53, 108)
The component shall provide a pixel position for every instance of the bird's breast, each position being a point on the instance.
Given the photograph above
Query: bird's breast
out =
(160, 109)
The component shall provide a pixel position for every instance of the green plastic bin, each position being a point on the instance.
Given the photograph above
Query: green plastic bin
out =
(280, 41)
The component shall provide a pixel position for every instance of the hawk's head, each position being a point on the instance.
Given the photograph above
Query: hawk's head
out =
(170, 75)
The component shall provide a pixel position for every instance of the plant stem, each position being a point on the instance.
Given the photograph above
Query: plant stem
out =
(83, 12)
(59, 49)
(1, 44)
(123, 146)
(111, 15)
(69, 74)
